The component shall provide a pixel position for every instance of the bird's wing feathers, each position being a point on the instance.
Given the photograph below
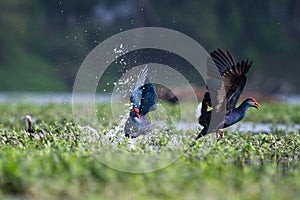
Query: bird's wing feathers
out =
(222, 60)
(144, 96)
(136, 95)
(215, 86)
(149, 99)
(233, 75)
(141, 78)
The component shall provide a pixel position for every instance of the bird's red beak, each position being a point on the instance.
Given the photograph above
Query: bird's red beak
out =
(256, 105)
(137, 112)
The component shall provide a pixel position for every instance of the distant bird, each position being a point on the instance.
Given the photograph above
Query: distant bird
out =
(28, 121)
(234, 79)
(33, 132)
(144, 100)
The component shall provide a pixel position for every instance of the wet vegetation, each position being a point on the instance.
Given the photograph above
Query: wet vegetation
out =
(56, 161)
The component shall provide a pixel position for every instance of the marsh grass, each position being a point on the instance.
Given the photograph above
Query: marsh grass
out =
(55, 163)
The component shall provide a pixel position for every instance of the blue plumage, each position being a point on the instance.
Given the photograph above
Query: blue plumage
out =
(237, 114)
(144, 100)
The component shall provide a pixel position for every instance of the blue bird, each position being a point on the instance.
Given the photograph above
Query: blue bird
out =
(234, 79)
(144, 100)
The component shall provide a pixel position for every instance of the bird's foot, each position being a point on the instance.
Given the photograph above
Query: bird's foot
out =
(221, 135)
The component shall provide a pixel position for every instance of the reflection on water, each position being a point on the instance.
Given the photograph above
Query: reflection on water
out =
(241, 127)
(55, 97)
(290, 99)
(44, 98)
(263, 127)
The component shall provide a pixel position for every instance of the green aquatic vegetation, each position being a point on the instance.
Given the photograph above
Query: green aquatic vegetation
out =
(275, 113)
(57, 160)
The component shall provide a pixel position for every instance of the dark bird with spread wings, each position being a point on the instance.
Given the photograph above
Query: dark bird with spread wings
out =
(144, 100)
(234, 78)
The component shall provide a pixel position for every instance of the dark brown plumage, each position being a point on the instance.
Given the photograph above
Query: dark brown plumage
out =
(225, 92)
(233, 75)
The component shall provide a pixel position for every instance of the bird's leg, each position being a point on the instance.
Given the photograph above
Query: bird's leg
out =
(202, 133)
(221, 135)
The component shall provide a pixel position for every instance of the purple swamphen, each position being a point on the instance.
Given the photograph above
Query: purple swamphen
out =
(233, 77)
(144, 100)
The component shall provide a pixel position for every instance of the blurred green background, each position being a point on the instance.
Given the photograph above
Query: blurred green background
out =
(42, 43)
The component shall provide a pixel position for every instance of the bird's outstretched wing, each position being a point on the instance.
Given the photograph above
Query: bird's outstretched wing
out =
(136, 95)
(144, 96)
(141, 78)
(215, 98)
(215, 87)
(233, 75)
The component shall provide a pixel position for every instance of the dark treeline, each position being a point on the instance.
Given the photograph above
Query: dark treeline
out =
(42, 43)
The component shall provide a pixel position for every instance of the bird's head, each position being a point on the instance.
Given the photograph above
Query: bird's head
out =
(253, 103)
(136, 112)
(27, 119)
